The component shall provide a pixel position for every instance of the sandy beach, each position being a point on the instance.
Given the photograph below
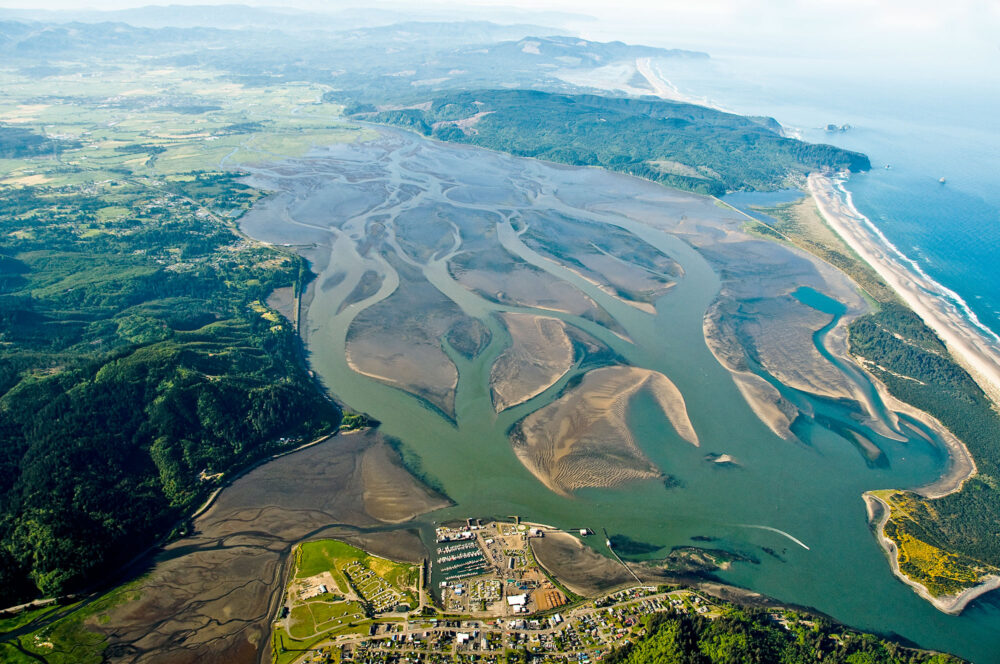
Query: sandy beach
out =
(660, 87)
(666, 90)
(979, 355)
(970, 348)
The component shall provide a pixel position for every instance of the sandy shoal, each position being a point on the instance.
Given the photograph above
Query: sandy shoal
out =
(582, 439)
(539, 355)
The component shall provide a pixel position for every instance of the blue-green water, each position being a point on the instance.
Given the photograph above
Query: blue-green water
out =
(800, 498)
(923, 130)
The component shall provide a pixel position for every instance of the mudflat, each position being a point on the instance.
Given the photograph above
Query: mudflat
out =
(539, 355)
(750, 332)
(207, 597)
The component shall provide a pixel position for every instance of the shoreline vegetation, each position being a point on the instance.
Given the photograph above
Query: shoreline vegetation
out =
(879, 513)
(942, 545)
(155, 346)
(909, 527)
(909, 361)
(925, 297)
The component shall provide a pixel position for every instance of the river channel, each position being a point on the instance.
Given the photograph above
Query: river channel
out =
(419, 247)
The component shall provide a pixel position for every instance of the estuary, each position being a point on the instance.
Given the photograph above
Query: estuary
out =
(709, 394)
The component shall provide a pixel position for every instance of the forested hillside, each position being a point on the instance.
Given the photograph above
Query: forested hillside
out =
(916, 368)
(137, 364)
(681, 145)
(750, 636)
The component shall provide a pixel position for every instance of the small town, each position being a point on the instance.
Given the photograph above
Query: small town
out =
(489, 570)
(583, 634)
(495, 604)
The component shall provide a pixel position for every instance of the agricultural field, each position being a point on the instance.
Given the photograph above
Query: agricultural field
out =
(156, 122)
(122, 273)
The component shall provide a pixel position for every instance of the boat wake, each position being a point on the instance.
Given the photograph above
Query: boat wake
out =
(774, 530)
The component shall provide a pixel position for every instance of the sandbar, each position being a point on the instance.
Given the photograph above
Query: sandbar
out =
(583, 440)
(539, 355)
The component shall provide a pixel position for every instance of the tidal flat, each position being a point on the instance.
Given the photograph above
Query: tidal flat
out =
(540, 353)
(751, 334)
(207, 597)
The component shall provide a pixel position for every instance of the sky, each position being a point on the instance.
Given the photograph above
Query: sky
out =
(962, 34)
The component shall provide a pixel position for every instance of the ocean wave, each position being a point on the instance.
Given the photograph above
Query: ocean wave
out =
(958, 304)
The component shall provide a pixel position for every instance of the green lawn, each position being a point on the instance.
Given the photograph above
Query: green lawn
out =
(324, 555)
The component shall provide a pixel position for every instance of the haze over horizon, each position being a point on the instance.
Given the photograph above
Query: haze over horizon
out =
(961, 34)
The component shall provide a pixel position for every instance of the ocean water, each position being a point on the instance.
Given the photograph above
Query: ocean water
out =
(922, 129)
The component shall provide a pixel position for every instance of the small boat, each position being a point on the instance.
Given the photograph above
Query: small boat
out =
(942, 180)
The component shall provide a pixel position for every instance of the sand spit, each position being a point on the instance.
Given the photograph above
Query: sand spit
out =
(539, 355)
(854, 229)
(979, 355)
(970, 348)
(763, 398)
(660, 87)
(582, 439)
(767, 403)
(961, 465)
(951, 604)
(664, 89)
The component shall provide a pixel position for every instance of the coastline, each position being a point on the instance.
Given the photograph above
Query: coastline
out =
(950, 604)
(965, 344)
(977, 355)
(664, 89)
(962, 465)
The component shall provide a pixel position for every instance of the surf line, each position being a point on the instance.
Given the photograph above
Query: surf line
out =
(774, 530)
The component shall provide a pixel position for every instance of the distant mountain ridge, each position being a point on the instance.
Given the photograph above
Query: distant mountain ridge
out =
(20, 35)
(562, 46)
(243, 17)
(381, 64)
